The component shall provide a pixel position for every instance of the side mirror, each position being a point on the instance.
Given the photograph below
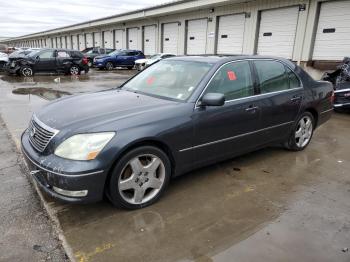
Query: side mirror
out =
(37, 58)
(213, 99)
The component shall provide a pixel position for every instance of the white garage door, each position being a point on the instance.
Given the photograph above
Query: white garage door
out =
(118, 39)
(97, 39)
(277, 32)
(63, 41)
(89, 40)
(108, 39)
(332, 40)
(69, 42)
(59, 42)
(197, 36)
(132, 38)
(81, 40)
(149, 40)
(170, 39)
(230, 34)
(75, 44)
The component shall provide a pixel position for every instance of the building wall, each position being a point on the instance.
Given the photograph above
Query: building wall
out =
(211, 10)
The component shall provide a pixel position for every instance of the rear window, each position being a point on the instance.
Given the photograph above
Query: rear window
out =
(76, 54)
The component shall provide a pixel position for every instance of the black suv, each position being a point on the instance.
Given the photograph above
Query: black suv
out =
(91, 53)
(49, 61)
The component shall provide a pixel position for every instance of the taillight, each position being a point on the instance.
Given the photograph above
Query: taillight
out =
(332, 97)
(85, 60)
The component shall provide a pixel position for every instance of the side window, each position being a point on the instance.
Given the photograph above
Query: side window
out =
(294, 81)
(46, 55)
(272, 76)
(62, 54)
(234, 80)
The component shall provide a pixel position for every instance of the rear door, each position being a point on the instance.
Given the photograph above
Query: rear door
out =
(281, 94)
(46, 62)
(63, 60)
(228, 130)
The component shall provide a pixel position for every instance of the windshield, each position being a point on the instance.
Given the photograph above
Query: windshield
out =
(170, 79)
(116, 52)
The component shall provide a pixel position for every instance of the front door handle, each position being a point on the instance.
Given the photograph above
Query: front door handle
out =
(251, 108)
(296, 98)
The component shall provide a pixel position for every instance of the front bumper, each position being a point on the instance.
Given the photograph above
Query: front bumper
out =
(50, 178)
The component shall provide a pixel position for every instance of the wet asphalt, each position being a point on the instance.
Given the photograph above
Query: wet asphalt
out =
(270, 205)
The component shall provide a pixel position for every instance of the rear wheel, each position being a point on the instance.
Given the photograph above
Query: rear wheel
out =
(26, 71)
(139, 178)
(302, 133)
(74, 70)
(109, 66)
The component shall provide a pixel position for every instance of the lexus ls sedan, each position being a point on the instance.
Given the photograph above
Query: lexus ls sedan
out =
(179, 114)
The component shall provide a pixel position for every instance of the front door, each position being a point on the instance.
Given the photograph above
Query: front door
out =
(46, 61)
(224, 131)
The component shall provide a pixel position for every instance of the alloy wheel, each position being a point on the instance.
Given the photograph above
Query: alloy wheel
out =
(74, 70)
(303, 132)
(141, 179)
(27, 71)
(109, 66)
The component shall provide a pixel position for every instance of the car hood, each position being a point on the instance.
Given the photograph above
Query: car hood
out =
(95, 109)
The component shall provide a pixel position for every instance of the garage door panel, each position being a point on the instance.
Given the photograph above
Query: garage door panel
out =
(277, 32)
(230, 34)
(132, 38)
(75, 42)
(333, 45)
(149, 41)
(108, 39)
(89, 40)
(197, 36)
(97, 39)
(170, 38)
(118, 39)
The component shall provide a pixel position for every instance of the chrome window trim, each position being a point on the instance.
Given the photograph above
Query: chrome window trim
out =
(234, 137)
(249, 59)
(55, 173)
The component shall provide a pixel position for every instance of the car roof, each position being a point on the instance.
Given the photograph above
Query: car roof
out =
(218, 59)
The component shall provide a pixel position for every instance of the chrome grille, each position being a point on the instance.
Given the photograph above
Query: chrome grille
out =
(40, 134)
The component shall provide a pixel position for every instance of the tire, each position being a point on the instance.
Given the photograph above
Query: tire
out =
(132, 185)
(90, 63)
(74, 70)
(301, 134)
(109, 66)
(26, 71)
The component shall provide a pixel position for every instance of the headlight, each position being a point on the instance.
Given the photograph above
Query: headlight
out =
(84, 146)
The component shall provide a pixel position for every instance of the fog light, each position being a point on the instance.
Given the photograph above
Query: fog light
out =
(69, 193)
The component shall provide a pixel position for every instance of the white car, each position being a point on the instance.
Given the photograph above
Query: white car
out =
(4, 58)
(141, 64)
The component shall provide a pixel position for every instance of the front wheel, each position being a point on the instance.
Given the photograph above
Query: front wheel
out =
(302, 133)
(109, 66)
(26, 71)
(139, 178)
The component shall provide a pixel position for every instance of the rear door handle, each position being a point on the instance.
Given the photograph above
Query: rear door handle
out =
(251, 108)
(296, 98)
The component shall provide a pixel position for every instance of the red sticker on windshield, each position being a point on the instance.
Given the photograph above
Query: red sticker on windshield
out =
(231, 75)
(151, 80)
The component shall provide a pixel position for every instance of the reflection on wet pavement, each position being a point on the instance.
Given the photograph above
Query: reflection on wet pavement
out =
(48, 94)
(271, 205)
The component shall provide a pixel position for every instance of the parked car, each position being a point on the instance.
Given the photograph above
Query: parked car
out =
(141, 64)
(49, 60)
(118, 58)
(340, 79)
(96, 51)
(180, 114)
(4, 58)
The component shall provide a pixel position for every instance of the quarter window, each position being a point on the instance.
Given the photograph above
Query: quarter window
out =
(234, 80)
(62, 54)
(272, 76)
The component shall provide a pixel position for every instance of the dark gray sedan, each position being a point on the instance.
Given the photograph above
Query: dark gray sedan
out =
(177, 115)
